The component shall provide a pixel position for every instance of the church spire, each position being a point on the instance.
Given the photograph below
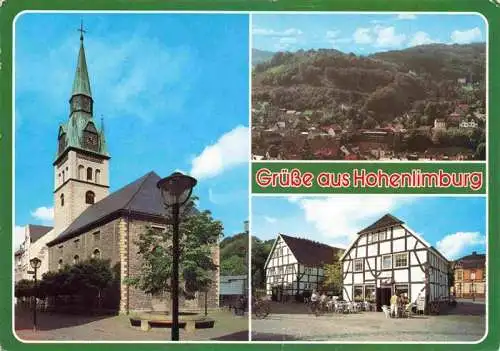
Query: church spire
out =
(81, 84)
(81, 96)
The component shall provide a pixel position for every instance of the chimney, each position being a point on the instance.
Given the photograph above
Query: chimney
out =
(474, 253)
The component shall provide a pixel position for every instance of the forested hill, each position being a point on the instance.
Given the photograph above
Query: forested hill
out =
(233, 255)
(385, 83)
(259, 56)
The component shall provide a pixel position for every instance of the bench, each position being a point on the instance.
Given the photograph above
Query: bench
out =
(146, 324)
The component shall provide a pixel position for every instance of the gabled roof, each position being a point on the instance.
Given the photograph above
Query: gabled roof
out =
(474, 260)
(311, 253)
(139, 198)
(37, 231)
(386, 221)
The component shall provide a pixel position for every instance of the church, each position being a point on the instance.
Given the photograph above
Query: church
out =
(89, 221)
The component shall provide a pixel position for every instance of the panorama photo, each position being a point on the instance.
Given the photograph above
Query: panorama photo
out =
(369, 87)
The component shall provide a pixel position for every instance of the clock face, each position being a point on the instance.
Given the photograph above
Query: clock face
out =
(91, 141)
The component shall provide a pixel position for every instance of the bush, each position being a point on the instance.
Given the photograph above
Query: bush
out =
(86, 285)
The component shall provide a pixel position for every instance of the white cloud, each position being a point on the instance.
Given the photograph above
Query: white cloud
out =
(387, 37)
(270, 219)
(339, 218)
(362, 36)
(406, 16)
(134, 74)
(44, 214)
(290, 32)
(455, 245)
(18, 236)
(421, 38)
(466, 36)
(332, 36)
(230, 150)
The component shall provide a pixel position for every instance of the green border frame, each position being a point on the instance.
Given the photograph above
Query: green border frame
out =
(11, 8)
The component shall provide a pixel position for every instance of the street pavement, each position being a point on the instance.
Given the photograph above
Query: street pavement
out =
(466, 322)
(117, 328)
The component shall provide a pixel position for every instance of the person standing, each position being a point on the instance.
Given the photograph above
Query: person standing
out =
(394, 304)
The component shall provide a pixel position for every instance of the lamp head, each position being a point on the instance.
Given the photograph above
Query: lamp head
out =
(176, 188)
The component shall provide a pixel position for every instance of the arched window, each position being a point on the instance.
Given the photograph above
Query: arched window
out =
(76, 259)
(62, 200)
(89, 173)
(97, 176)
(81, 170)
(89, 197)
(96, 254)
(60, 264)
(64, 177)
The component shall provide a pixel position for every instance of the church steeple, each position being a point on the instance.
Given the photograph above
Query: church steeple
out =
(81, 95)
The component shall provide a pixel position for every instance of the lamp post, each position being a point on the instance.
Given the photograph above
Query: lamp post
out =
(35, 263)
(176, 190)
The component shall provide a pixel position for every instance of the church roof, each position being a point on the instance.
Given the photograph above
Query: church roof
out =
(140, 198)
(37, 231)
(81, 83)
(387, 220)
(311, 253)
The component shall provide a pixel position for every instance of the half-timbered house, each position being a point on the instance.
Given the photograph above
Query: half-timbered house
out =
(295, 265)
(388, 257)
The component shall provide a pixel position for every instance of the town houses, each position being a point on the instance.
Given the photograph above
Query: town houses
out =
(283, 134)
(295, 265)
(388, 258)
(470, 276)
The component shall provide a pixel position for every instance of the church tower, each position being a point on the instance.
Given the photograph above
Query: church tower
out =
(81, 167)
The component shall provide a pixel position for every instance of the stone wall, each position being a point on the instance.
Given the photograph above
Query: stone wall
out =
(116, 240)
(74, 186)
(136, 300)
(105, 239)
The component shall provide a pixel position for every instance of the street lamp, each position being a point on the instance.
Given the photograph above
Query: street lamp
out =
(176, 190)
(35, 263)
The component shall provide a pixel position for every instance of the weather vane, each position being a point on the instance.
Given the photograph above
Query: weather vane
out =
(81, 30)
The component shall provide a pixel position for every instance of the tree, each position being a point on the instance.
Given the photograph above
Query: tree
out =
(369, 123)
(198, 234)
(89, 278)
(260, 252)
(481, 152)
(24, 288)
(333, 275)
(451, 274)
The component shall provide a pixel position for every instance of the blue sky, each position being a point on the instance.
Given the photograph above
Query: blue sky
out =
(173, 91)
(363, 33)
(455, 225)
